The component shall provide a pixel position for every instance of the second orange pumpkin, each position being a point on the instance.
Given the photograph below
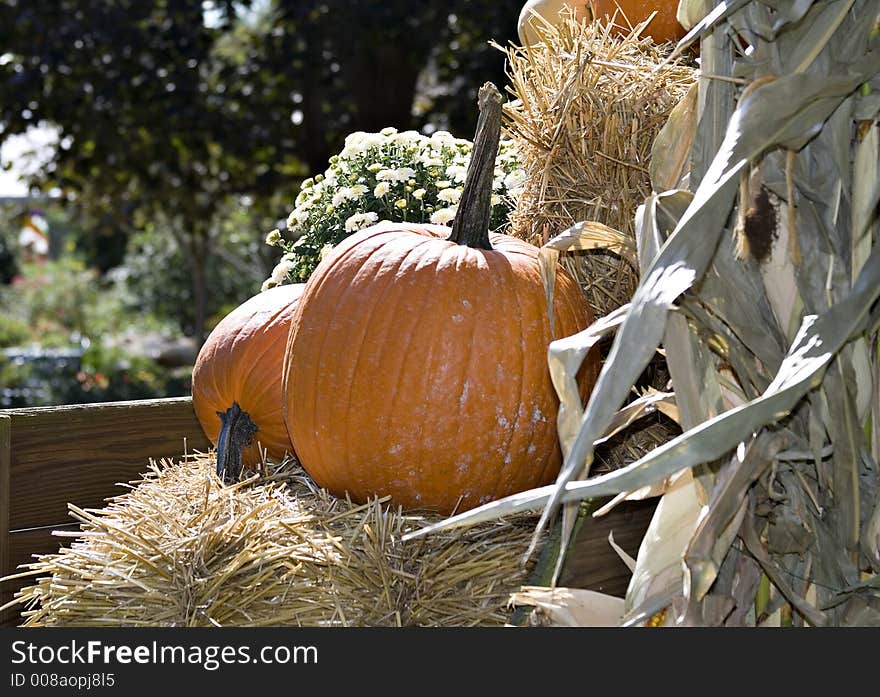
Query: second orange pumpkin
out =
(237, 377)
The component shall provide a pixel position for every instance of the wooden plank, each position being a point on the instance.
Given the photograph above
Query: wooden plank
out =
(592, 563)
(5, 495)
(23, 545)
(77, 453)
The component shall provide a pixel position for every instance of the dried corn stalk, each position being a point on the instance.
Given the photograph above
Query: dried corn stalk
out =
(760, 281)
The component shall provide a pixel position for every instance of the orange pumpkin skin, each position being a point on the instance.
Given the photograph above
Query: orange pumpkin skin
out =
(241, 361)
(418, 370)
(664, 27)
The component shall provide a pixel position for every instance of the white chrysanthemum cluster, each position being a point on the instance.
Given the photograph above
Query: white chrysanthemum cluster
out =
(390, 175)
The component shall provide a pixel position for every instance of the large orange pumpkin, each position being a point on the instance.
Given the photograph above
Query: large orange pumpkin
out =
(236, 380)
(417, 363)
(663, 27)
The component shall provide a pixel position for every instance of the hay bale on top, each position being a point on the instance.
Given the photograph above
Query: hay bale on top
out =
(182, 549)
(586, 108)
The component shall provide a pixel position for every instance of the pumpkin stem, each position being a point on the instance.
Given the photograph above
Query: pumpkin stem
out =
(236, 434)
(471, 224)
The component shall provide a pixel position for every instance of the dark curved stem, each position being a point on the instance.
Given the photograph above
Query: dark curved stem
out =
(236, 434)
(471, 224)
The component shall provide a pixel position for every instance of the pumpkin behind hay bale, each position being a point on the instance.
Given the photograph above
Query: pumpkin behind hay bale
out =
(620, 14)
(587, 107)
(181, 549)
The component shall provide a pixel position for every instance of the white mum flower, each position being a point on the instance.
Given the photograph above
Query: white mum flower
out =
(442, 137)
(296, 218)
(516, 179)
(342, 195)
(280, 272)
(456, 172)
(359, 221)
(408, 138)
(419, 194)
(373, 140)
(358, 190)
(396, 175)
(444, 215)
(354, 140)
(381, 189)
(449, 195)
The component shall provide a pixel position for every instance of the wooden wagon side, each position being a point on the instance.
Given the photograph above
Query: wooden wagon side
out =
(52, 456)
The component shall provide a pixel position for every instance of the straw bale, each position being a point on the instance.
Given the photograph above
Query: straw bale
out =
(180, 548)
(586, 106)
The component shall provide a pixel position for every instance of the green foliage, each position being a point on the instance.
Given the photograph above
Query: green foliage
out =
(385, 176)
(55, 299)
(102, 372)
(173, 109)
(62, 328)
(13, 331)
(39, 377)
(156, 275)
(110, 372)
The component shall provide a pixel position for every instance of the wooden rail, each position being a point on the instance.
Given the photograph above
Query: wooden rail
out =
(52, 456)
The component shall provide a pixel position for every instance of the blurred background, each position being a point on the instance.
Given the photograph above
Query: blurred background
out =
(148, 146)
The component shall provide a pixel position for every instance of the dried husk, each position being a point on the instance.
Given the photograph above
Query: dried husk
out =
(760, 281)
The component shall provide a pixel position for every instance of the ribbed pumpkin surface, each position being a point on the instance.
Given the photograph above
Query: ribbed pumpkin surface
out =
(241, 361)
(418, 369)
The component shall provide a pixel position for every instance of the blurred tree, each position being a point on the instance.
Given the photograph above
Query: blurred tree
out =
(362, 65)
(174, 110)
(8, 263)
(8, 258)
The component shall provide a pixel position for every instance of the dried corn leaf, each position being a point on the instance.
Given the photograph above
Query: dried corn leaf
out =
(671, 150)
(570, 607)
(817, 342)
